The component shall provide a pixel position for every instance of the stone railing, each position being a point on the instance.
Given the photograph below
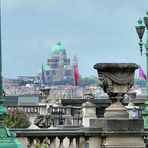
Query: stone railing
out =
(70, 137)
(31, 110)
(68, 114)
(52, 138)
(61, 114)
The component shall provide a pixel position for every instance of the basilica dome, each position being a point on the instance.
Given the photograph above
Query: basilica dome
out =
(58, 49)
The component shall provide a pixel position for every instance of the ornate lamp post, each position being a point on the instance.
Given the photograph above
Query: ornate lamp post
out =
(140, 28)
(7, 139)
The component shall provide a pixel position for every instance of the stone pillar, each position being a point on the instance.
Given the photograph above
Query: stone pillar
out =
(43, 110)
(68, 117)
(88, 110)
(44, 100)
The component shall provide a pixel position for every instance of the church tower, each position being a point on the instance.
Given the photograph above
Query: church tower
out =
(75, 61)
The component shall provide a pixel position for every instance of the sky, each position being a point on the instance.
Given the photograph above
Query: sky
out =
(97, 30)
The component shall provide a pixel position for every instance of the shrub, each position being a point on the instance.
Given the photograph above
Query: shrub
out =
(16, 118)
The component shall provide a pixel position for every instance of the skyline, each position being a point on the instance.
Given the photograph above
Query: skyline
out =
(98, 31)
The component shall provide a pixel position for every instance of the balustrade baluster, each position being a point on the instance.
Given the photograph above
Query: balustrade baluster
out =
(38, 110)
(86, 143)
(28, 109)
(61, 142)
(77, 142)
(46, 143)
(34, 110)
(30, 142)
(51, 145)
(25, 109)
(37, 143)
(42, 141)
(71, 143)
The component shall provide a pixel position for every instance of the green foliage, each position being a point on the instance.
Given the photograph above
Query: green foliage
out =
(46, 144)
(88, 81)
(85, 81)
(37, 143)
(82, 81)
(16, 118)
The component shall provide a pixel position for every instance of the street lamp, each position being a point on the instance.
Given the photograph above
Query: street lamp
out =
(140, 28)
(7, 139)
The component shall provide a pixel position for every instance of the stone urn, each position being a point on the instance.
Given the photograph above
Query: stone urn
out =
(43, 102)
(116, 79)
(88, 109)
(45, 92)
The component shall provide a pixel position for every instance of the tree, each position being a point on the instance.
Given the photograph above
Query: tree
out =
(16, 118)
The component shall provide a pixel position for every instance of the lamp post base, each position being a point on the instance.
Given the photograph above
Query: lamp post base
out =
(8, 139)
(10, 143)
(145, 114)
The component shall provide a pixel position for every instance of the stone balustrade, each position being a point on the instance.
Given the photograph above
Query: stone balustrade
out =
(61, 114)
(72, 137)
(53, 138)
(31, 110)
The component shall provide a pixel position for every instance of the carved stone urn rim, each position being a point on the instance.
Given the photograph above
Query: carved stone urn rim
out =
(116, 66)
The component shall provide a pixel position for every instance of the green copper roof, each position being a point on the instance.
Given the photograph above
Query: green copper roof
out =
(58, 49)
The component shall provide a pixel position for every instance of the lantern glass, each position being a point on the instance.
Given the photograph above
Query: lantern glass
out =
(140, 31)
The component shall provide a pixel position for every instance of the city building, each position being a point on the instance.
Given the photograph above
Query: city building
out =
(59, 66)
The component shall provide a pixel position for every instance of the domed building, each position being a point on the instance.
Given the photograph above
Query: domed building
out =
(58, 49)
(58, 65)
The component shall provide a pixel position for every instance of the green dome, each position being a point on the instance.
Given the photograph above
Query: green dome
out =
(58, 49)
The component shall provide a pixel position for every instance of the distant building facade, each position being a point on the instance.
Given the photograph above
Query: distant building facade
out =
(58, 66)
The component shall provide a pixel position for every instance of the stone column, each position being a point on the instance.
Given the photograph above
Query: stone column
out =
(44, 100)
(88, 110)
(68, 117)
